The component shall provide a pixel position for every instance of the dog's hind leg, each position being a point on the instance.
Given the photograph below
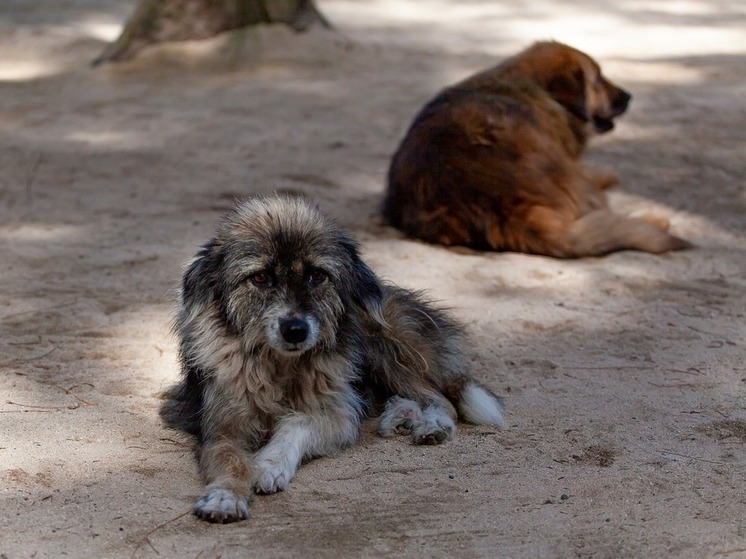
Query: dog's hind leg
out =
(438, 423)
(601, 178)
(431, 423)
(399, 417)
(656, 219)
(422, 367)
(602, 231)
(596, 233)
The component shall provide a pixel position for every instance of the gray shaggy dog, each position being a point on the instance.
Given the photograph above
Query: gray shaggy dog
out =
(288, 339)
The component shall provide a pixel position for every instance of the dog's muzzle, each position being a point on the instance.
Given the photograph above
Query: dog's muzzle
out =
(621, 102)
(618, 106)
(294, 330)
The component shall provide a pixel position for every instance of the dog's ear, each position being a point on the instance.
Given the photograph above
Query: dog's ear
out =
(568, 89)
(362, 286)
(200, 282)
(367, 292)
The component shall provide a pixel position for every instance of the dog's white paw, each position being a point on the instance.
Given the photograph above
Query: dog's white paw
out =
(272, 476)
(221, 505)
(435, 427)
(399, 417)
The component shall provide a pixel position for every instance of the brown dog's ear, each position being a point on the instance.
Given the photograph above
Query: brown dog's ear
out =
(568, 89)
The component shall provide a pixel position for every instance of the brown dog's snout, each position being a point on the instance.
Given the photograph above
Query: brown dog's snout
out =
(620, 101)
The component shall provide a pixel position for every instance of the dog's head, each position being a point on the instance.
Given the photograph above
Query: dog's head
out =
(574, 80)
(281, 276)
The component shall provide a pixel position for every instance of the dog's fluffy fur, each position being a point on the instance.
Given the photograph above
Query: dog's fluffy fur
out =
(287, 338)
(493, 163)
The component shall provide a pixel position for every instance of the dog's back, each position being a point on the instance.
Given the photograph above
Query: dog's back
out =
(467, 172)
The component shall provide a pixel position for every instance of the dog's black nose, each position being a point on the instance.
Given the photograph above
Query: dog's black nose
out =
(294, 330)
(621, 101)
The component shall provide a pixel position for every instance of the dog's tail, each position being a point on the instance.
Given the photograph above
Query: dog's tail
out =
(475, 403)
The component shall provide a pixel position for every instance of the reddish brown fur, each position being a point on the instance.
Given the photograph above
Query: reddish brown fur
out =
(493, 162)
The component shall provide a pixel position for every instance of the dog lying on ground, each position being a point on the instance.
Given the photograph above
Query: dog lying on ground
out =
(493, 163)
(287, 338)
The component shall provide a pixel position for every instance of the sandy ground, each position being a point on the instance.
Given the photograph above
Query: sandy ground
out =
(625, 377)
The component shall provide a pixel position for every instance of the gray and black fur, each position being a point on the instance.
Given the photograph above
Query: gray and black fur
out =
(287, 340)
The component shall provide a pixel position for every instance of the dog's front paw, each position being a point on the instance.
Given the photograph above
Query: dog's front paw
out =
(272, 477)
(221, 506)
(436, 427)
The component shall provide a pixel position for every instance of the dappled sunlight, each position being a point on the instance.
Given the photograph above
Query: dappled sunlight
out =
(101, 30)
(522, 277)
(15, 70)
(39, 232)
(677, 7)
(115, 140)
(148, 328)
(654, 72)
(48, 46)
(70, 390)
(427, 269)
(520, 299)
(384, 13)
(325, 89)
(663, 28)
(659, 38)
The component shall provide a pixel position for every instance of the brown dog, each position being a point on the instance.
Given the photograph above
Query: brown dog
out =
(493, 163)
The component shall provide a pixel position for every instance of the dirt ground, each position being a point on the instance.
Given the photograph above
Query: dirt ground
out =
(624, 376)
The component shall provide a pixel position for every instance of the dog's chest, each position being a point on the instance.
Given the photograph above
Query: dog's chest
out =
(270, 387)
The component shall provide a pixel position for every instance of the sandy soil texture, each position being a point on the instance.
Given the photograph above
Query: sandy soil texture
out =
(624, 377)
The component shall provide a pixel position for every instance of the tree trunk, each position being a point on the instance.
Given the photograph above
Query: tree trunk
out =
(155, 21)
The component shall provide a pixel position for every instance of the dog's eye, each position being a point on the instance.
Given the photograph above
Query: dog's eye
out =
(261, 279)
(315, 277)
